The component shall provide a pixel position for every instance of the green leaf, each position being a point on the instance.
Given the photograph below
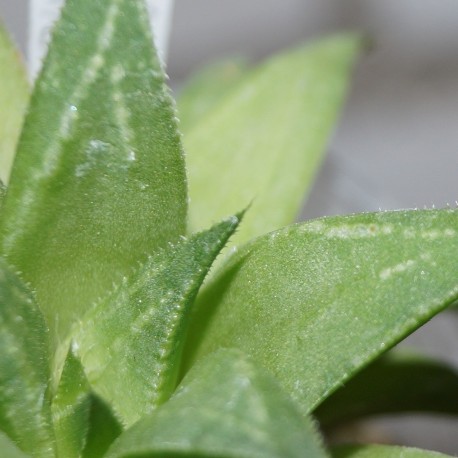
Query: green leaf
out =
(14, 94)
(131, 343)
(225, 407)
(206, 89)
(70, 409)
(396, 383)
(383, 451)
(9, 449)
(79, 416)
(264, 141)
(24, 407)
(99, 180)
(316, 302)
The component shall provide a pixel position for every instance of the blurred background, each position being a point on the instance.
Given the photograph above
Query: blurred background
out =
(397, 143)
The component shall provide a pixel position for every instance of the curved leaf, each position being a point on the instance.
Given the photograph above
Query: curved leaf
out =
(131, 343)
(383, 451)
(14, 94)
(264, 140)
(24, 372)
(395, 383)
(225, 407)
(99, 179)
(316, 302)
(206, 89)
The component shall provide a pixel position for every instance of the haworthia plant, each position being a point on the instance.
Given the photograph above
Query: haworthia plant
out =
(332, 294)
(14, 94)
(98, 183)
(274, 124)
(225, 407)
(100, 267)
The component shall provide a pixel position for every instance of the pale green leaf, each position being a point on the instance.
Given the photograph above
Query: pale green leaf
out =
(79, 416)
(225, 407)
(131, 343)
(24, 407)
(265, 139)
(14, 94)
(99, 179)
(206, 89)
(383, 451)
(396, 383)
(9, 449)
(316, 302)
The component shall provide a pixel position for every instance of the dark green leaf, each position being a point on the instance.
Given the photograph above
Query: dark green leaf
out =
(99, 180)
(24, 372)
(316, 302)
(383, 451)
(131, 343)
(265, 139)
(225, 407)
(206, 89)
(14, 94)
(104, 428)
(393, 384)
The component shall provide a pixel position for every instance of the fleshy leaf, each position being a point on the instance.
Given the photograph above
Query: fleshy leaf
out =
(395, 383)
(99, 178)
(264, 141)
(330, 295)
(25, 414)
(74, 409)
(14, 94)
(225, 407)
(131, 343)
(9, 449)
(383, 451)
(206, 89)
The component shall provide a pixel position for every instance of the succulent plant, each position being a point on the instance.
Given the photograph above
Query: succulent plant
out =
(116, 339)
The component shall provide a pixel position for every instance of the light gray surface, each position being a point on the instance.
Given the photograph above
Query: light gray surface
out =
(397, 143)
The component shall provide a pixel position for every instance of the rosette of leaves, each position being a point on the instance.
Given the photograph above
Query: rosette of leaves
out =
(111, 342)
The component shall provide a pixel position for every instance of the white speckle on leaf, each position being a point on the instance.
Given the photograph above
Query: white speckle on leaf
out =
(398, 268)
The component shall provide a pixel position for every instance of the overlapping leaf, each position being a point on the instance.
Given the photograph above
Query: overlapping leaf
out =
(205, 91)
(79, 416)
(131, 343)
(14, 93)
(25, 414)
(395, 383)
(99, 179)
(9, 449)
(264, 140)
(225, 407)
(315, 302)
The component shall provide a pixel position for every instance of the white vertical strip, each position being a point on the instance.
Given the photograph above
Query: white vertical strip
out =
(43, 13)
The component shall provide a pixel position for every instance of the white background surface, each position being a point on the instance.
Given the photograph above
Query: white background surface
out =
(397, 143)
